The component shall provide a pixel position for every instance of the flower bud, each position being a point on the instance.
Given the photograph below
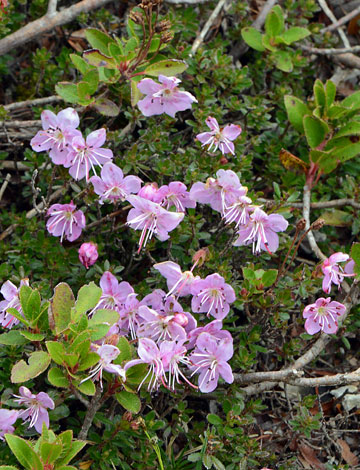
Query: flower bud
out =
(163, 25)
(181, 319)
(88, 254)
(201, 256)
(149, 191)
(166, 37)
(136, 17)
(301, 224)
(318, 224)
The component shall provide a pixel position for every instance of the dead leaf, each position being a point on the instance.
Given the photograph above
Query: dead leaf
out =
(292, 163)
(346, 453)
(309, 455)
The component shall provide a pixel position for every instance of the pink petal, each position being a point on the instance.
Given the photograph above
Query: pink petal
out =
(43, 417)
(311, 326)
(45, 400)
(96, 139)
(226, 372)
(227, 147)
(212, 123)
(338, 258)
(148, 86)
(112, 174)
(99, 185)
(49, 119)
(108, 283)
(132, 184)
(147, 350)
(205, 137)
(277, 222)
(207, 386)
(9, 290)
(68, 118)
(150, 106)
(231, 131)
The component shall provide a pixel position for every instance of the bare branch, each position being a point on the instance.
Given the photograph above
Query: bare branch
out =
(330, 50)
(90, 414)
(35, 102)
(4, 185)
(51, 10)
(306, 215)
(317, 205)
(207, 26)
(22, 124)
(47, 23)
(333, 18)
(260, 20)
(342, 20)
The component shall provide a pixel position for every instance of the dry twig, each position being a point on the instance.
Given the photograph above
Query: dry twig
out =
(4, 185)
(306, 215)
(342, 20)
(333, 18)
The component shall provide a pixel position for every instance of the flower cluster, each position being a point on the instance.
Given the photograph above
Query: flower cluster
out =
(166, 333)
(66, 145)
(226, 195)
(323, 315)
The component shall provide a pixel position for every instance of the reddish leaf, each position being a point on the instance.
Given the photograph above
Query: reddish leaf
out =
(309, 455)
(346, 453)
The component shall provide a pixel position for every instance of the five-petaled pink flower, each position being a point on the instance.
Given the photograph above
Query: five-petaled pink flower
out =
(163, 97)
(260, 231)
(212, 295)
(7, 419)
(112, 185)
(175, 194)
(65, 220)
(59, 131)
(12, 300)
(88, 254)
(151, 219)
(86, 154)
(334, 274)
(210, 358)
(114, 293)
(219, 138)
(108, 353)
(178, 282)
(37, 406)
(323, 315)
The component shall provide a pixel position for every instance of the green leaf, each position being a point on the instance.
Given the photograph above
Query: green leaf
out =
(57, 378)
(274, 23)
(71, 359)
(17, 315)
(49, 452)
(351, 128)
(106, 107)
(67, 91)
(56, 351)
(13, 338)
(135, 374)
(130, 401)
(88, 297)
(96, 58)
(80, 63)
(24, 296)
(253, 38)
(269, 43)
(23, 452)
(125, 350)
(217, 464)
(76, 447)
(283, 61)
(109, 317)
(269, 277)
(315, 130)
(214, 419)
(90, 360)
(345, 149)
(8, 467)
(99, 331)
(32, 336)
(326, 161)
(135, 93)
(168, 67)
(319, 94)
(131, 45)
(99, 40)
(38, 362)
(295, 34)
(61, 305)
(355, 255)
(352, 101)
(92, 80)
(249, 274)
(330, 93)
(337, 218)
(207, 461)
(88, 388)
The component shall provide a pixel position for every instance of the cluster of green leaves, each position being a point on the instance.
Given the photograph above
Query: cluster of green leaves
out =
(276, 39)
(48, 452)
(331, 127)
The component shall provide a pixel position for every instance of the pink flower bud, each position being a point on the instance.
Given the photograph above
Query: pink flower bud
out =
(88, 254)
(149, 191)
(181, 319)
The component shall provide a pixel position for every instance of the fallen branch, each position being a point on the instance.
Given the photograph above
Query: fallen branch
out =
(47, 23)
(34, 102)
(22, 124)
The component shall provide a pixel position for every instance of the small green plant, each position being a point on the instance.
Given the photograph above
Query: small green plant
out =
(276, 39)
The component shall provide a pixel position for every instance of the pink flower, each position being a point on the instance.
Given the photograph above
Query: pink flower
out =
(151, 219)
(11, 295)
(66, 221)
(173, 353)
(221, 138)
(114, 293)
(239, 211)
(210, 358)
(323, 315)
(221, 192)
(59, 131)
(149, 191)
(212, 295)
(163, 97)
(108, 353)
(112, 185)
(178, 282)
(334, 274)
(213, 328)
(261, 231)
(85, 155)
(129, 316)
(37, 406)
(175, 194)
(88, 254)
(149, 353)
(159, 327)
(7, 419)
